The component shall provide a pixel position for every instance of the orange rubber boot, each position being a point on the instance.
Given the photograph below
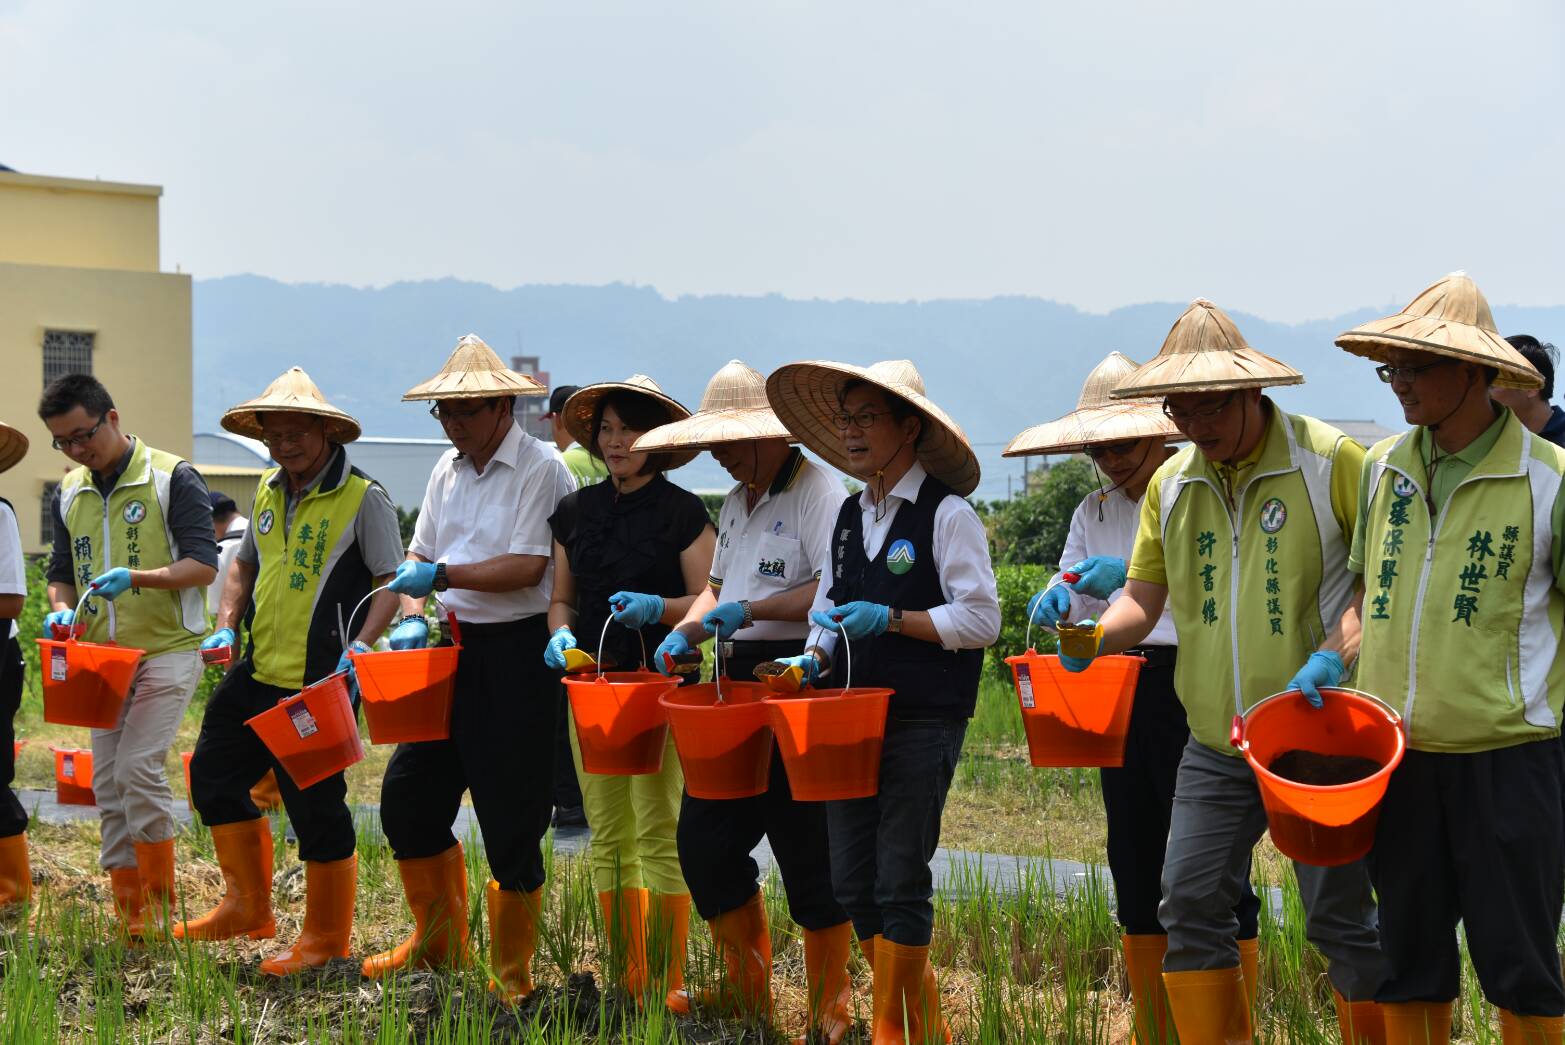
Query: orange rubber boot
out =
(668, 932)
(1530, 1030)
(1250, 970)
(327, 933)
(16, 874)
(907, 999)
(125, 885)
(1144, 975)
(155, 866)
(244, 853)
(1417, 1023)
(265, 795)
(625, 929)
(826, 953)
(745, 943)
(513, 936)
(436, 888)
(1209, 1006)
(1359, 1022)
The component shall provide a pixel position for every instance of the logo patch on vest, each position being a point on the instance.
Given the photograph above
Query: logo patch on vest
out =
(1274, 514)
(264, 523)
(901, 557)
(1402, 486)
(134, 512)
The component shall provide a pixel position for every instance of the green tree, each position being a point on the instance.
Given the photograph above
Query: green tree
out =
(1031, 530)
(405, 522)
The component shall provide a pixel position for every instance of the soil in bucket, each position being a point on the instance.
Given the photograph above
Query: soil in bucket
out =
(1312, 767)
(725, 749)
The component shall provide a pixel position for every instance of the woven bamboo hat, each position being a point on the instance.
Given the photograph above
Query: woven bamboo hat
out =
(733, 410)
(579, 409)
(1097, 418)
(806, 396)
(291, 393)
(13, 446)
(1452, 319)
(1204, 352)
(474, 372)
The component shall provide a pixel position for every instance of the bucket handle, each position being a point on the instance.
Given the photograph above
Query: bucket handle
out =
(604, 634)
(847, 652)
(70, 633)
(342, 628)
(1237, 738)
(717, 668)
(1064, 577)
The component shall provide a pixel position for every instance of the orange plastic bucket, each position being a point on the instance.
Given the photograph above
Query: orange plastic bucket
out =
(724, 748)
(16, 748)
(73, 776)
(313, 733)
(830, 741)
(1075, 719)
(264, 794)
(619, 723)
(85, 683)
(406, 693)
(1324, 825)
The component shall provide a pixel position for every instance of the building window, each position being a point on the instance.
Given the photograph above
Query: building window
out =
(46, 513)
(66, 352)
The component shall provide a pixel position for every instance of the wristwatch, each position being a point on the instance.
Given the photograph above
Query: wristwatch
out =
(441, 582)
(749, 615)
(894, 621)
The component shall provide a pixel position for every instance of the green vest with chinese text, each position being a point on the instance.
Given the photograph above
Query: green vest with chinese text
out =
(1462, 618)
(1254, 585)
(130, 529)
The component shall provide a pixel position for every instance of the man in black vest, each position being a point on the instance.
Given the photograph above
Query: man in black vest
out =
(909, 586)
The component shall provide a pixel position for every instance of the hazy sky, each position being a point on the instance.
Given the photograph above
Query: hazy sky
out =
(1292, 160)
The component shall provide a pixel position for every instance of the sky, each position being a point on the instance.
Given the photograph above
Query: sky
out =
(1288, 160)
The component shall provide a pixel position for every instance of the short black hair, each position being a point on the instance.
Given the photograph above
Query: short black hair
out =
(64, 394)
(559, 395)
(639, 413)
(1541, 355)
(223, 506)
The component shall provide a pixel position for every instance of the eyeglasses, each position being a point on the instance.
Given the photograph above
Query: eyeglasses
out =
(78, 440)
(444, 412)
(1389, 373)
(271, 439)
(1208, 413)
(864, 419)
(1119, 449)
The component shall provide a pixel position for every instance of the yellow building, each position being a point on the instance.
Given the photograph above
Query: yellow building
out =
(81, 291)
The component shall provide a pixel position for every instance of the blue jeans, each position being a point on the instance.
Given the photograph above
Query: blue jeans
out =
(881, 846)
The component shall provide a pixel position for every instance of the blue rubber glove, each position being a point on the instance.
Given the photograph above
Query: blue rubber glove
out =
(723, 621)
(635, 610)
(554, 652)
(1080, 664)
(675, 645)
(219, 638)
(1049, 607)
(57, 625)
(414, 579)
(1324, 668)
(111, 585)
(807, 664)
(1101, 576)
(412, 633)
(855, 620)
(344, 664)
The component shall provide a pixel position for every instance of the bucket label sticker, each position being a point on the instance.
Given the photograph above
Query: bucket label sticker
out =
(1273, 515)
(1024, 685)
(900, 557)
(303, 721)
(57, 664)
(134, 512)
(68, 766)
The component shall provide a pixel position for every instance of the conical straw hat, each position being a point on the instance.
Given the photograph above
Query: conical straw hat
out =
(733, 409)
(1204, 352)
(579, 409)
(1097, 419)
(1451, 318)
(474, 372)
(13, 446)
(292, 393)
(806, 398)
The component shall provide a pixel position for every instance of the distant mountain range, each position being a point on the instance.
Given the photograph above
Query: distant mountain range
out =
(996, 365)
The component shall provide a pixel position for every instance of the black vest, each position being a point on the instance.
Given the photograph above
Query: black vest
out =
(928, 681)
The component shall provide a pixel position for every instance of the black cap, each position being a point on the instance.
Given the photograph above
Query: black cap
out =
(1540, 355)
(222, 504)
(560, 394)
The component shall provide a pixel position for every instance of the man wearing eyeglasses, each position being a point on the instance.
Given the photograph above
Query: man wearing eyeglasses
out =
(133, 531)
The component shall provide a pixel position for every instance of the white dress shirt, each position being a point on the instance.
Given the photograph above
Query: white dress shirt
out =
(227, 550)
(1115, 535)
(773, 548)
(13, 568)
(467, 517)
(970, 616)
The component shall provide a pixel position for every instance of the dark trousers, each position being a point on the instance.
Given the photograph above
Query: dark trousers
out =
(1475, 838)
(501, 750)
(1138, 800)
(13, 818)
(881, 846)
(716, 837)
(230, 759)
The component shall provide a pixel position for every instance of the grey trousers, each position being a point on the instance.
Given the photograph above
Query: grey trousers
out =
(1216, 822)
(128, 779)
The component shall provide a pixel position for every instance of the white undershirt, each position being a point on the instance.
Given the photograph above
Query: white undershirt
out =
(1115, 535)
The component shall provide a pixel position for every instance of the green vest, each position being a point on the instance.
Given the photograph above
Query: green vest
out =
(1254, 586)
(1462, 621)
(307, 576)
(130, 529)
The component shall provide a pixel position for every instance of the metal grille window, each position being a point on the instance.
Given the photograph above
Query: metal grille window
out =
(46, 513)
(66, 352)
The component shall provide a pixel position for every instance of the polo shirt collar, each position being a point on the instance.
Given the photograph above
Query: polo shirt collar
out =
(508, 453)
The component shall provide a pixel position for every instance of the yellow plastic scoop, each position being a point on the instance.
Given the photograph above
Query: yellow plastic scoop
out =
(780, 677)
(579, 660)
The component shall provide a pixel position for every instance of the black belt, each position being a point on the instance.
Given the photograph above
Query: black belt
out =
(759, 649)
(1156, 656)
(500, 628)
